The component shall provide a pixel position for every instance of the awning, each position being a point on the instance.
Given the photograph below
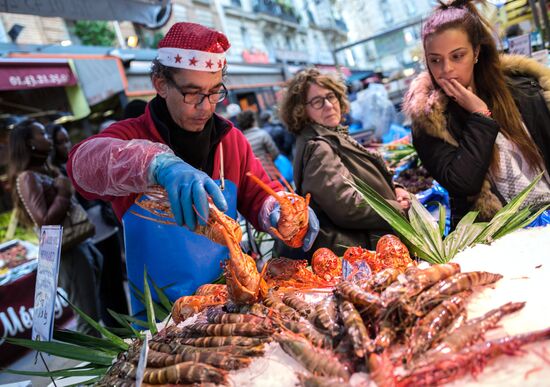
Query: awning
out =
(100, 78)
(21, 74)
(152, 13)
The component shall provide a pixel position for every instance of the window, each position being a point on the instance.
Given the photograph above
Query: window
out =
(385, 9)
(247, 43)
(410, 7)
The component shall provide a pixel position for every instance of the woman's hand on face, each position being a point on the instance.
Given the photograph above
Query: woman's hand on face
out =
(465, 97)
(403, 198)
(63, 186)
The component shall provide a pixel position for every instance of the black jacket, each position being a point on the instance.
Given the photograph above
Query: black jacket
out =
(456, 146)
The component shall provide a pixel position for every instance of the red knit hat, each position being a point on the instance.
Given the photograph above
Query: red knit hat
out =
(194, 47)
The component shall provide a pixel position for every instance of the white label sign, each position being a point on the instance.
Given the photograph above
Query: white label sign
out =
(520, 45)
(142, 364)
(49, 251)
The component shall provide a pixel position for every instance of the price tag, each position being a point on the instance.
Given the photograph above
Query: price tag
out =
(142, 362)
(49, 252)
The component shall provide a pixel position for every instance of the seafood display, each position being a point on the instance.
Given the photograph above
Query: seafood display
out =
(404, 326)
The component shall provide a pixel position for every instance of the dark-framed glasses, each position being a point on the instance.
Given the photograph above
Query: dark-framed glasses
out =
(319, 101)
(197, 98)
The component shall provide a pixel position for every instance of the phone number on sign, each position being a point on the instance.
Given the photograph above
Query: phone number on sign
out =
(39, 79)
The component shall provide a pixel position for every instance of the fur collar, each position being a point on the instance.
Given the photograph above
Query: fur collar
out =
(426, 105)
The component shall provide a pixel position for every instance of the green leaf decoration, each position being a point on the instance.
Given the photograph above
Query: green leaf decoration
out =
(160, 313)
(149, 304)
(164, 301)
(122, 320)
(424, 237)
(77, 338)
(97, 326)
(69, 372)
(506, 213)
(519, 220)
(67, 351)
(442, 219)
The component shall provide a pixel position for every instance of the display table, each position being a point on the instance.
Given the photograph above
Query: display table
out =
(523, 258)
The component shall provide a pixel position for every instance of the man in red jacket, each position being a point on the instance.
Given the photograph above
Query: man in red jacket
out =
(182, 145)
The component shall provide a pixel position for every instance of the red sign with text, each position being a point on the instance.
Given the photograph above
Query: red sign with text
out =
(21, 75)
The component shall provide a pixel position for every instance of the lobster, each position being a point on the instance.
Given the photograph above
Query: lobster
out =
(293, 223)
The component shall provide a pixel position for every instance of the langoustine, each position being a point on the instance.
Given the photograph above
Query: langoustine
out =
(294, 220)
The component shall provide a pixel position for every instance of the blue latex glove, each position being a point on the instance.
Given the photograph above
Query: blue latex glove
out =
(271, 212)
(186, 187)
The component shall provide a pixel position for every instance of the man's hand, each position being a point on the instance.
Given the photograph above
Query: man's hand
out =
(271, 212)
(187, 187)
(403, 198)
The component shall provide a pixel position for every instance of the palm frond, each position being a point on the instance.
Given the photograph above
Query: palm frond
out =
(68, 351)
(149, 304)
(160, 313)
(97, 326)
(81, 339)
(424, 237)
(123, 320)
(66, 373)
(503, 216)
(164, 301)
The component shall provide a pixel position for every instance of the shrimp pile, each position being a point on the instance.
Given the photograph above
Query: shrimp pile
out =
(402, 328)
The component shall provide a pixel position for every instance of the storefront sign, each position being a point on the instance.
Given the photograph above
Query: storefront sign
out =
(255, 56)
(49, 252)
(19, 75)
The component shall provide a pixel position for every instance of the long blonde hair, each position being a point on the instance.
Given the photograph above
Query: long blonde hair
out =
(488, 76)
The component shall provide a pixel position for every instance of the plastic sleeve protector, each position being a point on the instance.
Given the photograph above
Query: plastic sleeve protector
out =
(115, 167)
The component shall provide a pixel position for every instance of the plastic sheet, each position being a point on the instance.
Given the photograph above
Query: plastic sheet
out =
(113, 167)
(284, 166)
(541, 221)
(430, 197)
(374, 109)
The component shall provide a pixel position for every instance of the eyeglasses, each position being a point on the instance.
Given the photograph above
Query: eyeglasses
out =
(319, 102)
(197, 98)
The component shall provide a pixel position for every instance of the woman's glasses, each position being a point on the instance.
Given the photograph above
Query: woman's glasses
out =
(319, 102)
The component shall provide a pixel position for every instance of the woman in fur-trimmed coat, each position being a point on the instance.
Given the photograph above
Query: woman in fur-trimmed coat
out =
(481, 122)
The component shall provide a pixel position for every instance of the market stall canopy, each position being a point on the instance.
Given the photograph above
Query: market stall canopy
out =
(151, 13)
(21, 74)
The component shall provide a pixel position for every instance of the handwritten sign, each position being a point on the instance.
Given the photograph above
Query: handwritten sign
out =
(520, 45)
(49, 251)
